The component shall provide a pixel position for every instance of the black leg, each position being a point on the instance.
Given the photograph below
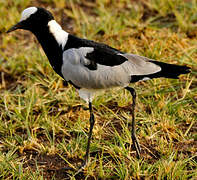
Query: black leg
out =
(89, 135)
(133, 132)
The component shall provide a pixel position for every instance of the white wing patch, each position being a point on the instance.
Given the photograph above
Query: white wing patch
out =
(28, 12)
(77, 56)
(83, 51)
(60, 35)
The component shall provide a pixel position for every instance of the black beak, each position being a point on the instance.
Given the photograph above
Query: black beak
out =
(15, 27)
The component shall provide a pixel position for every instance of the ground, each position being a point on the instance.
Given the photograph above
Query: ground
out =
(44, 123)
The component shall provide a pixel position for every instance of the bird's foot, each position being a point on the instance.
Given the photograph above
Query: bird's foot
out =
(82, 166)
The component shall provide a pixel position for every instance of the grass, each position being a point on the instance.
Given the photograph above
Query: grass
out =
(43, 124)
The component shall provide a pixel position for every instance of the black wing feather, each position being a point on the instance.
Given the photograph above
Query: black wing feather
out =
(102, 54)
(105, 56)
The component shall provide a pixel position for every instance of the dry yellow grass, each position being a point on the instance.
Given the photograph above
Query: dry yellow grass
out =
(43, 124)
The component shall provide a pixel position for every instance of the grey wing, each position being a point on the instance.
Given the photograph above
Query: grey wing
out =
(139, 65)
(134, 64)
(76, 68)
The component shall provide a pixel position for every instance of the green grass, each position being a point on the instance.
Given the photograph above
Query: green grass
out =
(43, 125)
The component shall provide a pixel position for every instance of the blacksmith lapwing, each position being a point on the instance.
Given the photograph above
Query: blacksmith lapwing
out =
(91, 66)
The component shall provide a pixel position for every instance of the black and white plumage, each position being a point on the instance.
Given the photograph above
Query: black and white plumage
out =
(92, 66)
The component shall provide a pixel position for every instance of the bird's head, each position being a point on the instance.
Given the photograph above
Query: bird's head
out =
(32, 19)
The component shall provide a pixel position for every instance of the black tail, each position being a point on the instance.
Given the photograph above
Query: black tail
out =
(167, 71)
(170, 70)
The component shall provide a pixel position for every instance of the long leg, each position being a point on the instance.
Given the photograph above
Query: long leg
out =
(133, 131)
(89, 135)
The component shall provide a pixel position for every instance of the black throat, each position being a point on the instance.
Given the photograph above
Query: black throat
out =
(51, 48)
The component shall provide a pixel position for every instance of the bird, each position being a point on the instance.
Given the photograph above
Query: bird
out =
(92, 66)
